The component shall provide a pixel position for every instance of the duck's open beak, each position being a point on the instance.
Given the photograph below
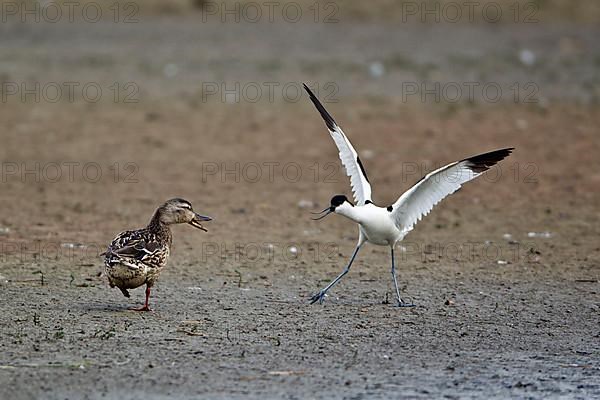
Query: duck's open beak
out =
(329, 211)
(197, 221)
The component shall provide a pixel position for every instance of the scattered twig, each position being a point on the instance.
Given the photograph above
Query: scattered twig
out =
(239, 274)
(573, 365)
(286, 373)
(73, 364)
(387, 300)
(41, 276)
(276, 341)
(353, 361)
(192, 331)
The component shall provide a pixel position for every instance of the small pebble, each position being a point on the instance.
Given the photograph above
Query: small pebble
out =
(171, 70)
(305, 204)
(521, 124)
(544, 235)
(73, 245)
(376, 69)
(527, 57)
(367, 154)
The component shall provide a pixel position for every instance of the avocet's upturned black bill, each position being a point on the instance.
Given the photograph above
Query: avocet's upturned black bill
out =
(386, 226)
(336, 201)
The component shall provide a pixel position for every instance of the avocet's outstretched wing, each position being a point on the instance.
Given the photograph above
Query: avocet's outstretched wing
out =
(418, 201)
(361, 188)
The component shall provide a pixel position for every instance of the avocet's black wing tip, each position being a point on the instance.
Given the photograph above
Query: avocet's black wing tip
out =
(482, 162)
(329, 121)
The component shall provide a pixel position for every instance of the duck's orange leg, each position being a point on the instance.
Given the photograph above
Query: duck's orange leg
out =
(145, 307)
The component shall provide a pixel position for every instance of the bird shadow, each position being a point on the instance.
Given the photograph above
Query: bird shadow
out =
(108, 307)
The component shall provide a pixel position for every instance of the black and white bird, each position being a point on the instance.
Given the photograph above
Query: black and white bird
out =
(135, 258)
(386, 226)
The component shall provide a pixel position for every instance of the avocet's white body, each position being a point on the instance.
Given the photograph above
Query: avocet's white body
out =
(386, 226)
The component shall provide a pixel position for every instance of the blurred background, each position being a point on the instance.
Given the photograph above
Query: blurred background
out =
(157, 88)
(108, 108)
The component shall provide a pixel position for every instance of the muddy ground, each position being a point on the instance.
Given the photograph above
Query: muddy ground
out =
(504, 273)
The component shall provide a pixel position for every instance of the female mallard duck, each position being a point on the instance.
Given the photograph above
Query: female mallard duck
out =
(136, 257)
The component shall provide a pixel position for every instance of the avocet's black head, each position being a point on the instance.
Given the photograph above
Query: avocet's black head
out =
(336, 201)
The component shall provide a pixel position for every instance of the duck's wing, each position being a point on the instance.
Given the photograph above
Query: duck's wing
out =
(361, 188)
(419, 200)
(131, 247)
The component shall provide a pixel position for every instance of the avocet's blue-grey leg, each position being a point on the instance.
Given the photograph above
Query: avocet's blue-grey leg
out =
(321, 295)
(400, 302)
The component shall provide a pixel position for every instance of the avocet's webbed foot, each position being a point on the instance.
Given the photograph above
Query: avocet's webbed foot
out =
(318, 297)
(402, 303)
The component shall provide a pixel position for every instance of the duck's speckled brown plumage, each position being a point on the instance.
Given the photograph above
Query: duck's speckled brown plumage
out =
(135, 258)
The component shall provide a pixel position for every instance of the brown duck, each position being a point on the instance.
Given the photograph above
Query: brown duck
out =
(135, 258)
